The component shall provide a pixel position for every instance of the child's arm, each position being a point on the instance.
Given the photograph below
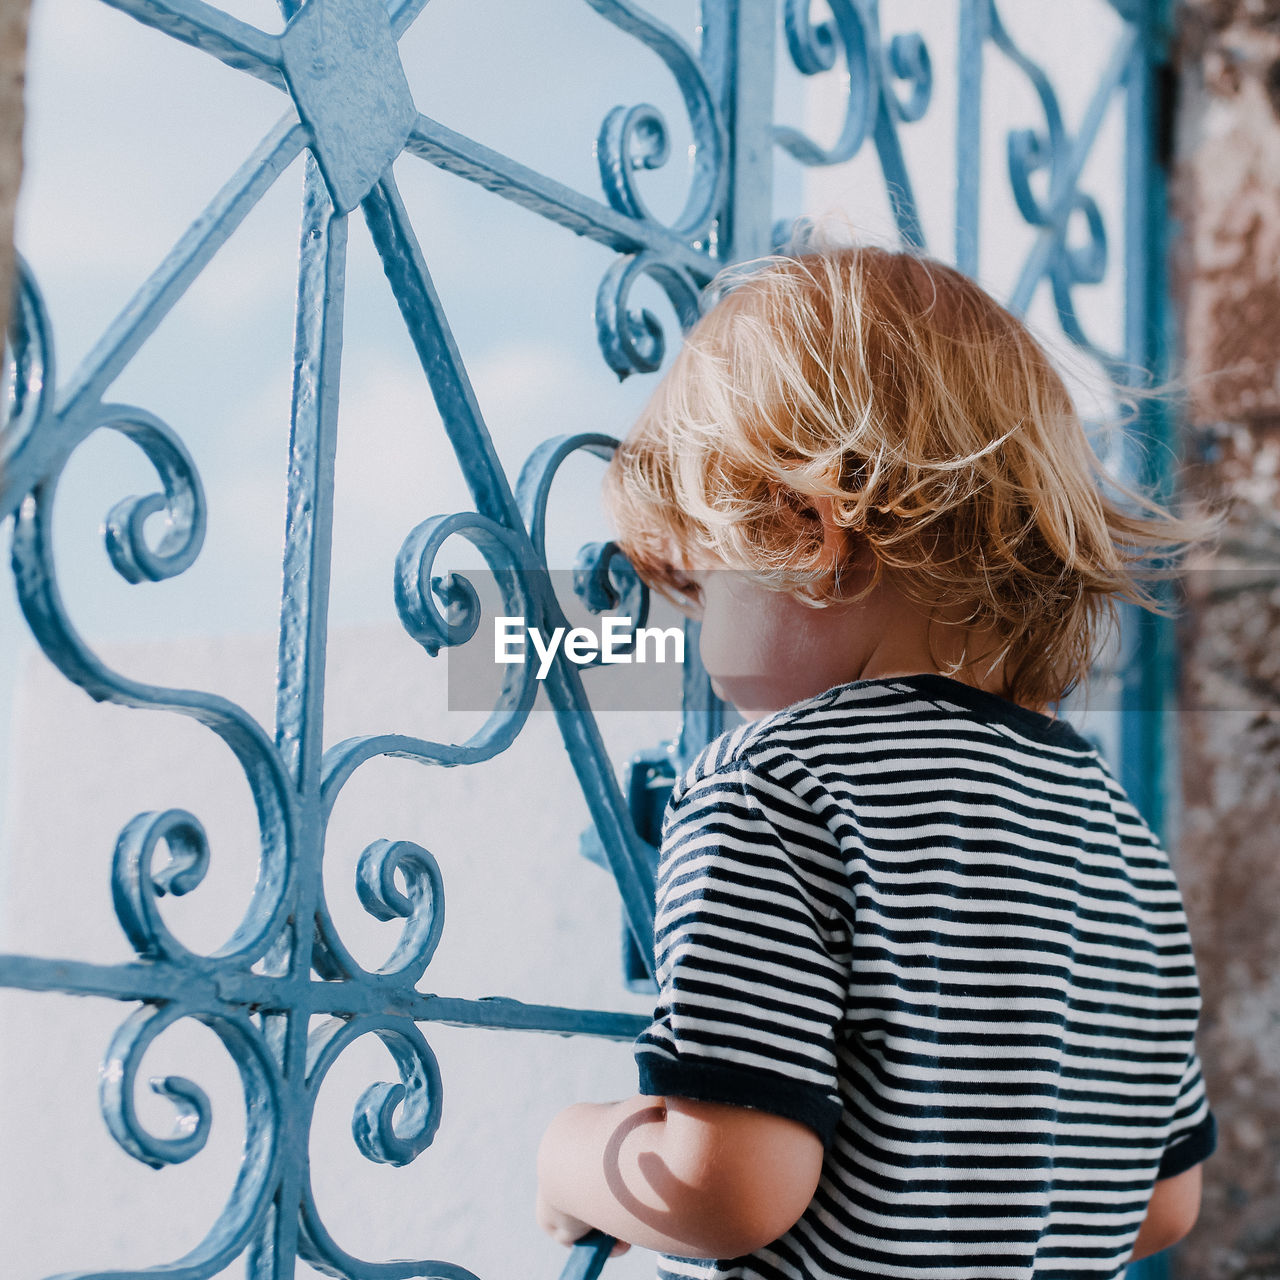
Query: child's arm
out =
(695, 1179)
(1174, 1207)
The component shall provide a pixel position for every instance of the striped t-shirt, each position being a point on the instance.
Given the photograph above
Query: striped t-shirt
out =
(929, 924)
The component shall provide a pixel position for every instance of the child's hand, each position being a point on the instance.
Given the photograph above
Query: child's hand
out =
(565, 1228)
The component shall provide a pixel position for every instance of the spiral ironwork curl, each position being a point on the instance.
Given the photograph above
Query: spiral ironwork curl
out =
(605, 582)
(813, 48)
(119, 1077)
(416, 1098)
(874, 106)
(393, 1124)
(135, 885)
(182, 503)
(634, 342)
(1081, 264)
(909, 61)
(602, 577)
(420, 905)
(533, 488)
(1028, 153)
(631, 138)
(1031, 150)
(259, 1169)
(1048, 152)
(636, 138)
(36, 578)
(440, 611)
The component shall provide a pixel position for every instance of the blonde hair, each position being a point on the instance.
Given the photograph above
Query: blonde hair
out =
(896, 394)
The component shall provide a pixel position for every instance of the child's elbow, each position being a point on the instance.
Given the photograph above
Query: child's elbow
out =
(737, 1229)
(748, 1175)
(744, 1228)
(1174, 1208)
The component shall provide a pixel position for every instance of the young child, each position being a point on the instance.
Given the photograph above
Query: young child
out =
(927, 999)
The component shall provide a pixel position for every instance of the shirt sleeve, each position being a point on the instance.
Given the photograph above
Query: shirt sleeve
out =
(1194, 1135)
(752, 955)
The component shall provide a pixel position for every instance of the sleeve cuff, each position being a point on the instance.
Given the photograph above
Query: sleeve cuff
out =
(718, 1082)
(1190, 1149)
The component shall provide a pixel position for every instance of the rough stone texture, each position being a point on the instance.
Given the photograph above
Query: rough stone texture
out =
(13, 46)
(1227, 199)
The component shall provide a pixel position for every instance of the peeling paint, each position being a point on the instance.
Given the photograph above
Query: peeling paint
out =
(1226, 189)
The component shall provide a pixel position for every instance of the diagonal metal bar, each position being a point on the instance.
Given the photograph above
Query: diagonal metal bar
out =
(902, 199)
(43, 456)
(210, 231)
(466, 158)
(212, 31)
(590, 760)
(438, 353)
(1065, 177)
(441, 361)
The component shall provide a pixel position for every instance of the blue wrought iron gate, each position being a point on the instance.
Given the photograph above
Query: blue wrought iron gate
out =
(348, 107)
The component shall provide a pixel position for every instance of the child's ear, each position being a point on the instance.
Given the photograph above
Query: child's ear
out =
(836, 541)
(846, 549)
(840, 544)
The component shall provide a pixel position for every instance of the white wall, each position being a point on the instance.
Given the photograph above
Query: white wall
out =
(525, 917)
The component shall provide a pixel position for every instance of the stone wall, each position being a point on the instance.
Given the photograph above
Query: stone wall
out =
(13, 44)
(1226, 192)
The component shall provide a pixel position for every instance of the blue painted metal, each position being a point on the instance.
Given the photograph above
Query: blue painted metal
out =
(343, 70)
(348, 105)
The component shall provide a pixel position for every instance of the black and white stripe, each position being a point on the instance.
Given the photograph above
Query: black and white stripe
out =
(930, 925)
